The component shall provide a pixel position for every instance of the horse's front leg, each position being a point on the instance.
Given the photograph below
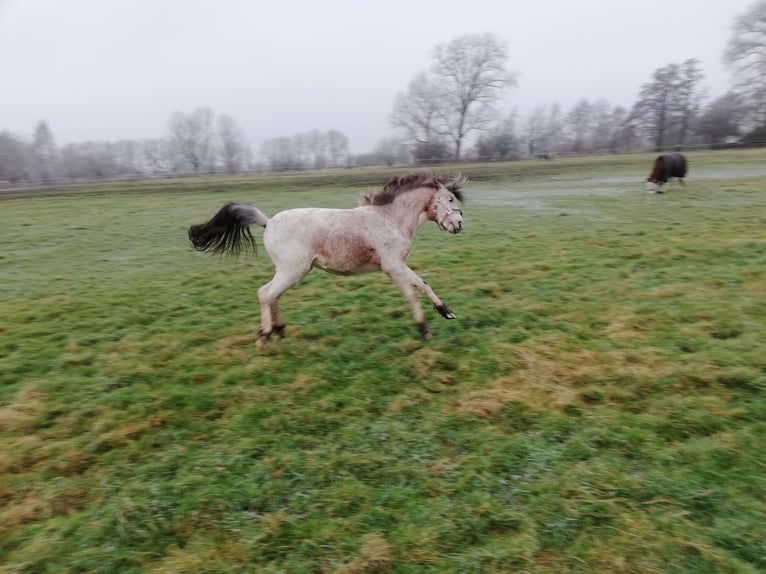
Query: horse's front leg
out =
(409, 283)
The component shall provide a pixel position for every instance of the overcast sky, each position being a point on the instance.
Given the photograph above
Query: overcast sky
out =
(114, 69)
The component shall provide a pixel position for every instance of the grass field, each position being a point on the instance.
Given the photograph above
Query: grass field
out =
(598, 406)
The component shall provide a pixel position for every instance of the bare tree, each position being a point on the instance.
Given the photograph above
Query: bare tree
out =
(745, 55)
(534, 132)
(416, 111)
(470, 75)
(192, 137)
(579, 120)
(602, 127)
(279, 152)
(500, 142)
(668, 103)
(688, 97)
(13, 164)
(43, 152)
(315, 149)
(233, 147)
(721, 119)
(553, 129)
(337, 147)
(156, 155)
(388, 152)
(622, 133)
(310, 149)
(653, 112)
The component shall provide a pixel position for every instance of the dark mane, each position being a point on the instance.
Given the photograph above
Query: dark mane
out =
(399, 185)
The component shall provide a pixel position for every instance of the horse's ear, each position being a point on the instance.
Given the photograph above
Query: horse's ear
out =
(455, 185)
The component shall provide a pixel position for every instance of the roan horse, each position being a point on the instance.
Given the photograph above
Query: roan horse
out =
(665, 167)
(377, 235)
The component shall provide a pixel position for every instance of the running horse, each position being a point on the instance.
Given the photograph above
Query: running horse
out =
(375, 236)
(666, 167)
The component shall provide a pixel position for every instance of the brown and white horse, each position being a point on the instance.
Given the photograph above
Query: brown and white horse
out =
(665, 167)
(377, 235)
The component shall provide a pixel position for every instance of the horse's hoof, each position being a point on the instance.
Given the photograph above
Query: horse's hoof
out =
(262, 338)
(428, 336)
(445, 311)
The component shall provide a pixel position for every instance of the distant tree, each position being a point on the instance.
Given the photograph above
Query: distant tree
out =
(456, 97)
(43, 153)
(72, 163)
(500, 142)
(155, 156)
(233, 147)
(721, 119)
(389, 152)
(535, 132)
(337, 147)
(579, 121)
(688, 98)
(553, 129)
(470, 74)
(316, 149)
(602, 125)
(653, 112)
(126, 154)
(745, 55)
(622, 132)
(416, 111)
(435, 151)
(312, 149)
(756, 136)
(668, 104)
(191, 135)
(282, 153)
(13, 163)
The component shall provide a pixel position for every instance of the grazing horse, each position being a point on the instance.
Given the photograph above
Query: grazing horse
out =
(377, 235)
(665, 167)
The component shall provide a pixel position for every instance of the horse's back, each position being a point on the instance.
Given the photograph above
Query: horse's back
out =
(675, 165)
(668, 166)
(337, 240)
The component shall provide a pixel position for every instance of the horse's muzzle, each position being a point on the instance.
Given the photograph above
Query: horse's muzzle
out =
(450, 223)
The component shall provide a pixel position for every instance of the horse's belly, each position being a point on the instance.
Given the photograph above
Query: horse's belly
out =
(347, 256)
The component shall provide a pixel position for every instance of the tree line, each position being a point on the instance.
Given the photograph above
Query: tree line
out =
(463, 92)
(452, 110)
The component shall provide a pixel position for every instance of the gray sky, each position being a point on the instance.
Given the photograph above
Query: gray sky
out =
(113, 69)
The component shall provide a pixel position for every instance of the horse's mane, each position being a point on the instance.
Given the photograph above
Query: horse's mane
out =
(399, 185)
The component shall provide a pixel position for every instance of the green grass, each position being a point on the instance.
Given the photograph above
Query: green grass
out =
(598, 405)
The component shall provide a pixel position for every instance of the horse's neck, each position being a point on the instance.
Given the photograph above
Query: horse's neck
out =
(409, 211)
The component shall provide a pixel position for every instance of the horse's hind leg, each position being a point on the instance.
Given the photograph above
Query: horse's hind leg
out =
(277, 321)
(268, 297)
(409, 292)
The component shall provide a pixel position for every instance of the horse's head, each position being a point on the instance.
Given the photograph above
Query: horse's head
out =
(444, 209)
(654, 181)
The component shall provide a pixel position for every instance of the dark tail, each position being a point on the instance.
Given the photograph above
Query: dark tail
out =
(228, 231)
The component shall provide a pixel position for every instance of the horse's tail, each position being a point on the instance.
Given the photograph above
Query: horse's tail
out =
(228, 231)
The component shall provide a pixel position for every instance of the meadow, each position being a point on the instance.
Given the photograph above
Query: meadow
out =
(598, 406)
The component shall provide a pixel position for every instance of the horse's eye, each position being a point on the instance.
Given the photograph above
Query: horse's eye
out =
(451, 199)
